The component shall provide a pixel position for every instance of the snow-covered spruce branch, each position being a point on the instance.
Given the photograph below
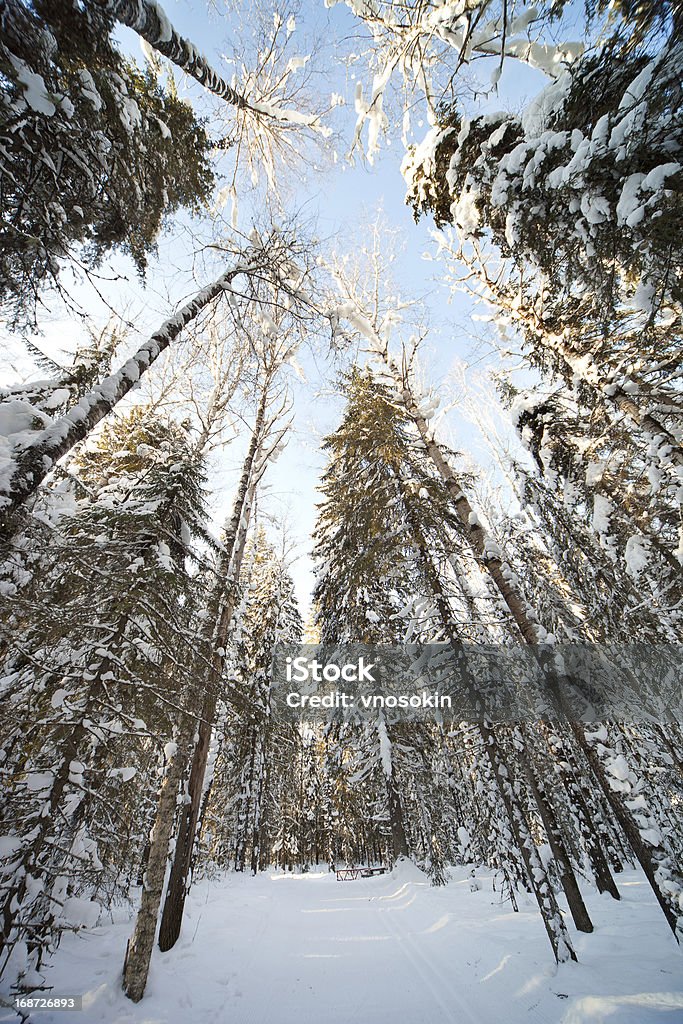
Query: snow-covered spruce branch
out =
(625, 393)
(621, 393)
(150, 21)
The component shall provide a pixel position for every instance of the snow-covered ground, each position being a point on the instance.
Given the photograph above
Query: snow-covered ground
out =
(301, 949)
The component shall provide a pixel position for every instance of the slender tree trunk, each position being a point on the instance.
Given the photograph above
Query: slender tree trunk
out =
(245, 806)
(609, 833)
(259, 828)
(654, 859)
(536, 873)
(399, 842)
(577, 907)
(673, 747)
(34, 462)
(143, 17)
(228, 574)
(140, 945)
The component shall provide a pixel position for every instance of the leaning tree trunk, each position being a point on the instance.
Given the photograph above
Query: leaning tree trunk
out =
(656, 862)
(149, 21)
(535, 870)
(141, 942)
(36, 460)
(650, 852)
(588, 831)
(577, 907)
(227, 577)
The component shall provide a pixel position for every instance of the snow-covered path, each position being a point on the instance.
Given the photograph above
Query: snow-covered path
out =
(299, 949)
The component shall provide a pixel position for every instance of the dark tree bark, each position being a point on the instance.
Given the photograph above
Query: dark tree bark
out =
(577, 907)
(399, 843)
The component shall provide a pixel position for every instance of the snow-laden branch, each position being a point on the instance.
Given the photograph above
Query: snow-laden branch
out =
(420, 39)
(151, 22)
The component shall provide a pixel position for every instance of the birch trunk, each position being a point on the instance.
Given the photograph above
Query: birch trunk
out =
(140, 945)
(34, 462)
(150, 22)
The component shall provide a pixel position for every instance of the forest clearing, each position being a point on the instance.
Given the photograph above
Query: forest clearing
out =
(280, 946)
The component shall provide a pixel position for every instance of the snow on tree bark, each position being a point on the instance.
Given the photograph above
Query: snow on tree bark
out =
(36, 459)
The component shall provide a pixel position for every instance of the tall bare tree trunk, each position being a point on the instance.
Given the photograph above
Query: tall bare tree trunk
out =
(144, 18)
(140, 945)
(139, 950)
(227, 577)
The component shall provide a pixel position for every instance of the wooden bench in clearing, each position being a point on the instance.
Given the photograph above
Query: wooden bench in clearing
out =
(349, 874)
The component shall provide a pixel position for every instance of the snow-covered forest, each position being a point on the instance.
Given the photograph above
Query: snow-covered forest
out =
(340, 326)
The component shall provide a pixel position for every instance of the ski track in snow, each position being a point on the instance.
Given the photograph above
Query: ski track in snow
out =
(436, 987)
(301, 949)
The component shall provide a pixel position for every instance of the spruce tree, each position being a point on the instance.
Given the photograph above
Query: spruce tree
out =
(95, 153)
(94, 673)
(380, 474)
